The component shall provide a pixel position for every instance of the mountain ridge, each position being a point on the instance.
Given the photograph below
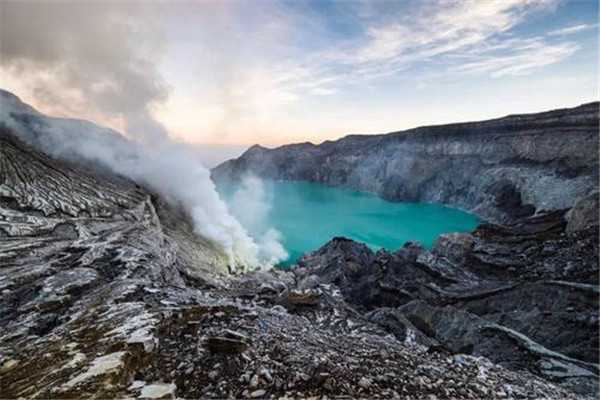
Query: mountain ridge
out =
(473, 165)
(594, 105)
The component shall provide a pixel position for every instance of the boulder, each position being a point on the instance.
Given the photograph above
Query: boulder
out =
(584, 214)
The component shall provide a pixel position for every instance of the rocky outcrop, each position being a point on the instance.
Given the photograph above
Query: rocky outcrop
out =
(524, 295)
(585, 213)
(501, 169)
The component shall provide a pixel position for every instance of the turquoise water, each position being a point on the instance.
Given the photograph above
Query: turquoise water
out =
(308, 215)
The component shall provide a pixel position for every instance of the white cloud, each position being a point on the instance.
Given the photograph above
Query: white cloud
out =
(447, 31)
(444, 27)
(569, 30)
(437, 40)
(520, 62)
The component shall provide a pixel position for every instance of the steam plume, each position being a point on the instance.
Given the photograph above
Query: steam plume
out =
(251, 204)
(88, 63)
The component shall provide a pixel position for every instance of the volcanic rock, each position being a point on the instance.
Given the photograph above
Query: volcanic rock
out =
(524, 295)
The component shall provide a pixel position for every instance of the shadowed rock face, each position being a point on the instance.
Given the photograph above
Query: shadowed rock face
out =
(500, 169)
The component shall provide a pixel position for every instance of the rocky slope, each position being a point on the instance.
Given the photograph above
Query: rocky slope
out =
(106, 292)
(525, 296)
(500, 169)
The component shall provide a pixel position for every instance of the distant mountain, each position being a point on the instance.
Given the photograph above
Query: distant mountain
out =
(500, 169)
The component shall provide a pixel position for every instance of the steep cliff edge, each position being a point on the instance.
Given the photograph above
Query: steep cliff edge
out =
(500, 169)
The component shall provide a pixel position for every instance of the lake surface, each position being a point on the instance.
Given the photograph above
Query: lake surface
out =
(308, 215)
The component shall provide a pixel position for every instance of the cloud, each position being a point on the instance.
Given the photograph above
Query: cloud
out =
(455, 37)
(242, 72)
(520, 62)
(88, 56)
(445, 31)
(104, 57)
(268, 75)
(569, 30)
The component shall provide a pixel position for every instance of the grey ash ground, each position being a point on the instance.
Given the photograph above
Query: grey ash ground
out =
(105, 292)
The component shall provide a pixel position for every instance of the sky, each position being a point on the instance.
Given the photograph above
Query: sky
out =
(227, 74)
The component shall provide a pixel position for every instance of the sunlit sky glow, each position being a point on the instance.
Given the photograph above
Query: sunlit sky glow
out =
(238, 73)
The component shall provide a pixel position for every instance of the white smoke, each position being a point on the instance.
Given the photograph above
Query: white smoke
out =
(172, 169)
(251, 204)
(180, 177)
(103, 59)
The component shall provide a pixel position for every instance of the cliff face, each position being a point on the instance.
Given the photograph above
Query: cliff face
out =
(500, 169)
(72, 190)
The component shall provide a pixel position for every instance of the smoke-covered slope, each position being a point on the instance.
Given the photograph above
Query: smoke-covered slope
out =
(500, 169)
(168, 168)
(79, 188)
(55, 206)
